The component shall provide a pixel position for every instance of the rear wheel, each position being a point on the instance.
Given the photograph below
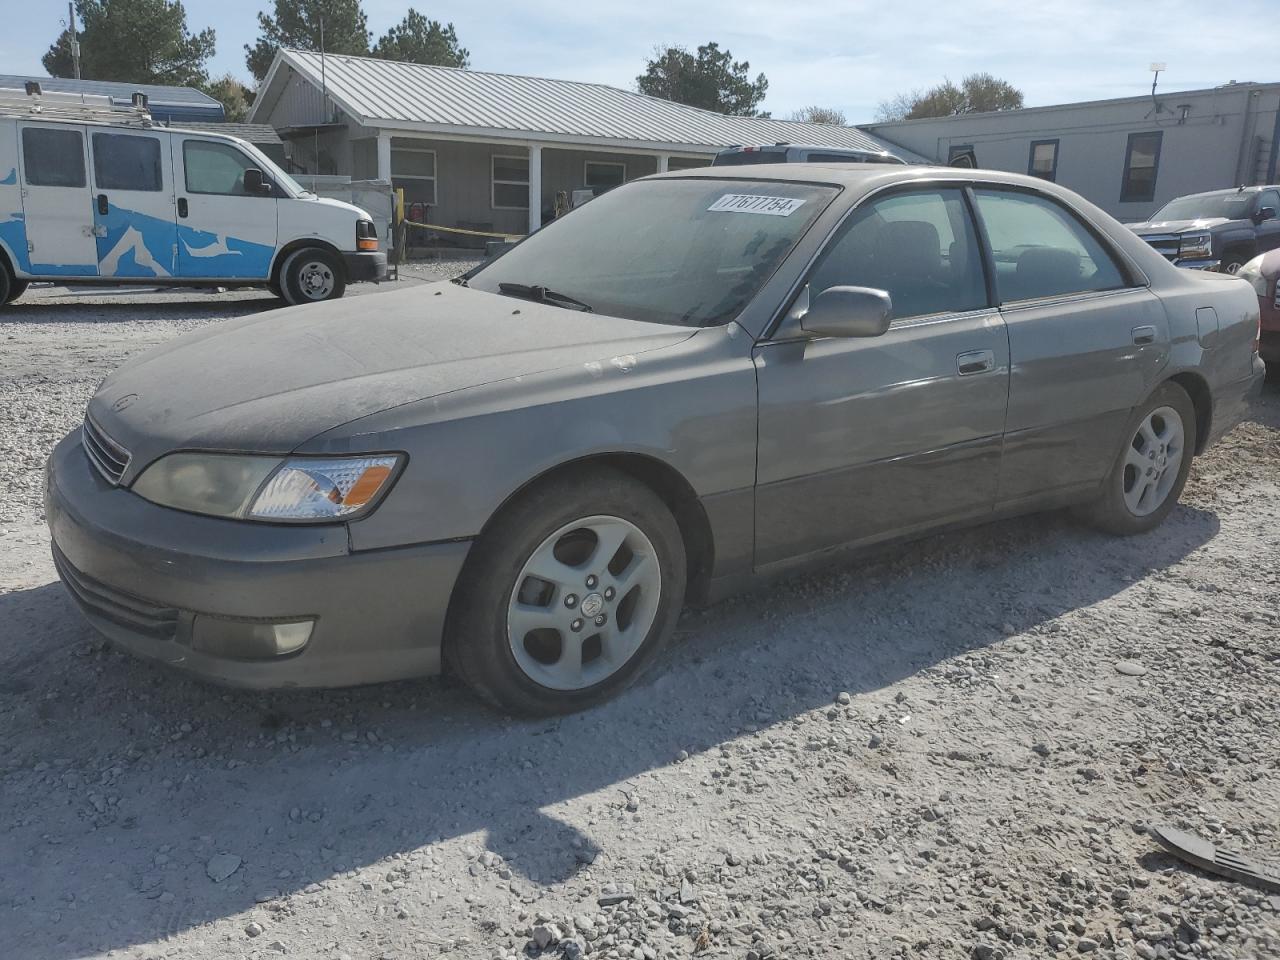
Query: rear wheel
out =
(7, 283)
(569, 594)
(16, 288)
(1148, 476)
(312, 275)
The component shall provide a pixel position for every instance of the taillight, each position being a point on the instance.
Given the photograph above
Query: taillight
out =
(366, 235)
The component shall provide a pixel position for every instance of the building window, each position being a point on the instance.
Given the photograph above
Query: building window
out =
(413, 170)
(687, 163)
(601, 176)
(962, 155)
(1043, 159)
(510, 183)
(1141, 163)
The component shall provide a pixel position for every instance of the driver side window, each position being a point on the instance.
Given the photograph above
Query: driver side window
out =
(919, 246)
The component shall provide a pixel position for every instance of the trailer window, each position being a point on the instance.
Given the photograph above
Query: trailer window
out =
(52, 157)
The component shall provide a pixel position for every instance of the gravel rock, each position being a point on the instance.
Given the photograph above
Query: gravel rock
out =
(222, 866)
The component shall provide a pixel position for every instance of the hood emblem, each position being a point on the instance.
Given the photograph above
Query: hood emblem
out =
(124, 402)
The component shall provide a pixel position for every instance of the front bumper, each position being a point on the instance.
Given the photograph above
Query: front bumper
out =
(143, 575)
(369, 265)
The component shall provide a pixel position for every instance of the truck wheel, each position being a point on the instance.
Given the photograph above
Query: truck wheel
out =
(16, 288)
(312, 275)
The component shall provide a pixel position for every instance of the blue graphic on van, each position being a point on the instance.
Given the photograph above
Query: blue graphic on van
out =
(132, 244)
(11, 179)
(205, 254)
(13, 236)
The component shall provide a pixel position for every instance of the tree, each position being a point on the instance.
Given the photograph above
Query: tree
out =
(711, 80)
(134, 41)
(297, 24)
(819, 115)
(235, 97)
(415, 39)
(977, 93)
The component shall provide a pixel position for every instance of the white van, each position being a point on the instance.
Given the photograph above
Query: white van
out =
(94, 194)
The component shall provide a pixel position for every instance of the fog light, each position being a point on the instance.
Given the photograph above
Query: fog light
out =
(249, 639)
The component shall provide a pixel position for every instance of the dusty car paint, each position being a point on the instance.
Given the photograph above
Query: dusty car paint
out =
(777, 448)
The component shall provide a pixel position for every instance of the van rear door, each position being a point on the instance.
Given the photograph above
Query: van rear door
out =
(56, 208)
(224, 230)
(133, 204)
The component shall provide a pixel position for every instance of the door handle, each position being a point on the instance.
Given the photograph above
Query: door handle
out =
(975, 361)
(1144, 335)
(102, 204)
(182, 206)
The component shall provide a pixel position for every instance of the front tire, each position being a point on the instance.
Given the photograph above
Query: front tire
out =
(1151, 469)
(569, 594)
(312, 275)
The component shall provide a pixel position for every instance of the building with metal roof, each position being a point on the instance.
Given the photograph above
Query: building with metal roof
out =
(167, 104)
(492, 149)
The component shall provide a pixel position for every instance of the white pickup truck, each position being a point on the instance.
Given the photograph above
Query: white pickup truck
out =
(95, 194)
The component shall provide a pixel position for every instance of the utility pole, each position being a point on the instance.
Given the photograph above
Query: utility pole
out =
(71, 30)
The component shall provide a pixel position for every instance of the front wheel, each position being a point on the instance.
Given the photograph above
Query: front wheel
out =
(568, 595)
(1148, 476)
(312, 275)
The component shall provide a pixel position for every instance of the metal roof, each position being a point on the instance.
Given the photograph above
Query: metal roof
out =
(186, 102)
(258, 133)
(389, 94)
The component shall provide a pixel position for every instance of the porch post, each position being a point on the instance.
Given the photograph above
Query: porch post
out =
(384, 157)
(535, 187)
(664, 160)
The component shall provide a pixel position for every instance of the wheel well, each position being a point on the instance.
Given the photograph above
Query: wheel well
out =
(293, 245)
(673, 488)
(1202, 399)
(1244, 250)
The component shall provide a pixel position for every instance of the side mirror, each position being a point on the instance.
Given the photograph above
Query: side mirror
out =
(255, 182)
(1266, 213)
(848, 312)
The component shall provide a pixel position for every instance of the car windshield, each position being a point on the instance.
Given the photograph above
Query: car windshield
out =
(688, 252)
(1233, 206)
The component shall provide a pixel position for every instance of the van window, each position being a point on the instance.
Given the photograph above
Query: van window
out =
(216, 168)
(124, 162)
(52, 157)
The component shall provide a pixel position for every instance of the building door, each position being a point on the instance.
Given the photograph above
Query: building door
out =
(57, 210)
(224, 231)
(133, 204)
(864, 438)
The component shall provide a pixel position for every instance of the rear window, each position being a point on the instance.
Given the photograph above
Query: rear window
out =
(52, 157)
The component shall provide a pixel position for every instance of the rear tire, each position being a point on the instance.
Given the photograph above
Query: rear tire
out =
(7, 283)
(16, 288)
(1151, 468)
(615, 580)
(312, 275)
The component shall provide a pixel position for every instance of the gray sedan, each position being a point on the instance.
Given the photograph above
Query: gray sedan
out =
(693, 382)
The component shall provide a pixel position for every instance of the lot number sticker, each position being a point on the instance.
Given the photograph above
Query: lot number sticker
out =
(749, 203)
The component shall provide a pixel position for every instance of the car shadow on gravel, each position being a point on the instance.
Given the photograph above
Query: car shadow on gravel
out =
(119, 780)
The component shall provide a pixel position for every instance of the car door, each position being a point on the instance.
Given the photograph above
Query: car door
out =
(224, 231)
(861, 439)
(56, 207)
(1268, 230)
(1085, 339)
(133, 203)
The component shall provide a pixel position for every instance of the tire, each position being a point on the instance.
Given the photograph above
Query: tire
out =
(16, 288)
(7, 283)
(1233, 260)
(312, 275)
(1132, 500)
(274, 287)
(553, 527)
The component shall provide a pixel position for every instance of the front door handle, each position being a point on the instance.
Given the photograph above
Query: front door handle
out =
(1144, 335)
(102, 204)
(182, 206)
(975, 361)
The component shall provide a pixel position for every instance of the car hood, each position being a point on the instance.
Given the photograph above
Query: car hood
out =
(270, 382)
(1176, 226)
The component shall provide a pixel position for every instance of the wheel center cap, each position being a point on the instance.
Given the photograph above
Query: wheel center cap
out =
(592, 605)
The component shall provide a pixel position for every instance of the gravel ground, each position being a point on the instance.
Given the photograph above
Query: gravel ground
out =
(950, 750)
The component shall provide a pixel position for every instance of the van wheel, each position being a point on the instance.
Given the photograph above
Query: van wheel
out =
(16, 288)
(274, 287)
(7, 283)
(312, 275)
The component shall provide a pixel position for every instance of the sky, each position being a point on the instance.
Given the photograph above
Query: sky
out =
(847, 55)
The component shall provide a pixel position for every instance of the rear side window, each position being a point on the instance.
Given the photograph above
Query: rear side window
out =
(216, 168)
(52, 157)
(1042, 250)
(124, 162)
(919, 246)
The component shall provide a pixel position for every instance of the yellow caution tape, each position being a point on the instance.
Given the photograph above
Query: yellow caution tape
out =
(469, 233)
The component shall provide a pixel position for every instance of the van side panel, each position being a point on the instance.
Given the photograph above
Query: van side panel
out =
(13, 229)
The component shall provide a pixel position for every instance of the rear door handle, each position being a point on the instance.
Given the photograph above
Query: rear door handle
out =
(182, 206)
(975, 361)
(1144, 335)
(102, 204)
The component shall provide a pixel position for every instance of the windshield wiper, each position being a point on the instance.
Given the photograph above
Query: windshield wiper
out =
(543, 295)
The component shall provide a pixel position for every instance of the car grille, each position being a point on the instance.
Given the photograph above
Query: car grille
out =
(133, 613)
(1165, 244)
(109, 457)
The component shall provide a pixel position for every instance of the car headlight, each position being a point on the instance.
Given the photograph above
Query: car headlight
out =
(1198, 245)
(297, 489)
(1252, 272)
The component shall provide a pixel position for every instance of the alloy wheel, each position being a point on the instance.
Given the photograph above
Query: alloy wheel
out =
(1153, 460)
